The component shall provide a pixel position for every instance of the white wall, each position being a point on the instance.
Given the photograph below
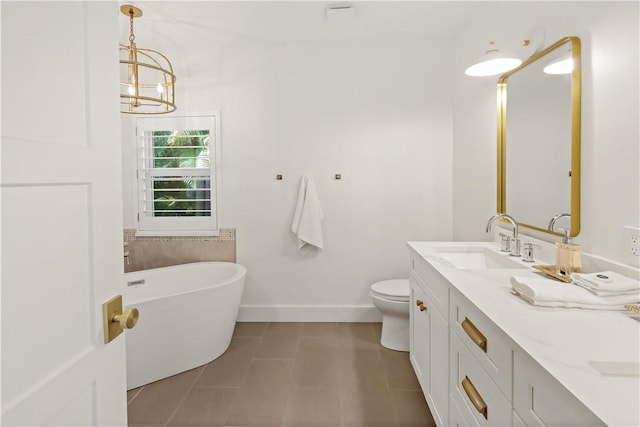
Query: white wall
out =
(610, 131)
(379, 113)
(413, 137)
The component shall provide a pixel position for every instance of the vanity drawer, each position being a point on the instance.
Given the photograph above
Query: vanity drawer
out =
(437, 286)
(517, 421)
(540, 400)
(490, 346)
(460, 414)
(473, 391)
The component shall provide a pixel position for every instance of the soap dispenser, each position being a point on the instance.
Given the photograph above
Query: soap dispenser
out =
(569, 259)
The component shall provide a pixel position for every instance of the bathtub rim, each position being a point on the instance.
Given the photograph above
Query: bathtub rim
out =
(241, 271)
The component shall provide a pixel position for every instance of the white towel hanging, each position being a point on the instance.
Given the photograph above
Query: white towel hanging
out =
(307, 217)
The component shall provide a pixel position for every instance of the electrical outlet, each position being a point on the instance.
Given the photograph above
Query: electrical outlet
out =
(632, 245)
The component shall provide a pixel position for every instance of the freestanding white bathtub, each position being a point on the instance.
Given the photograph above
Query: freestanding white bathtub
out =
(187, 316)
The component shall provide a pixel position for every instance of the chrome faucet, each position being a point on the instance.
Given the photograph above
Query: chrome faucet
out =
(515, 246)
(552, 222)
(126, 252)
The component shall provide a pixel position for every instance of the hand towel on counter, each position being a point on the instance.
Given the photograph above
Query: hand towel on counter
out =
(606, 283)
(550, 293)
(307, 217)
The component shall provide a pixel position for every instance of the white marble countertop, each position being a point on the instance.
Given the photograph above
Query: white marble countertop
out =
(563, 341)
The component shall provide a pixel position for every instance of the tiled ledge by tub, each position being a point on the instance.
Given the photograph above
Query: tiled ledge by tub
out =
(147, 252)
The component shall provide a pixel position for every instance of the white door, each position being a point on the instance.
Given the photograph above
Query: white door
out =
(61, 214)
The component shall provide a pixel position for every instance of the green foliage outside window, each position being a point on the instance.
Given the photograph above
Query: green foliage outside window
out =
(188, 193)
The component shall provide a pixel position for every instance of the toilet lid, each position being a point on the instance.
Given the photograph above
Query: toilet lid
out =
(395, 290)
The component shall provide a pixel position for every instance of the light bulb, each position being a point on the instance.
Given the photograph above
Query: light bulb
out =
(564, 66)
(493, 67)
(132, 90)
(493, 62)
(159, 89)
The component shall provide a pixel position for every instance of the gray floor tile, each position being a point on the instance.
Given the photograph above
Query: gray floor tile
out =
(280, 341)
(230, 369)
(250, 329)
(157, 401)
(357, 335)
(398, 370)
(290, 374)
(312, 407)
(360, 368)
(320, 330)
(204, 406)
(412, 409)
(367, 407)
(316, 363)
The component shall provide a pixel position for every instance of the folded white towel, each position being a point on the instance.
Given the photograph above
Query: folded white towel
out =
(606, 283)
(307, 217)
(549, 293)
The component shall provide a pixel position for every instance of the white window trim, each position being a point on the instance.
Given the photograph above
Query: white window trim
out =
(180, 226)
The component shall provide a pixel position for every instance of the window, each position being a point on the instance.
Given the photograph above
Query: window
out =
(178, 175)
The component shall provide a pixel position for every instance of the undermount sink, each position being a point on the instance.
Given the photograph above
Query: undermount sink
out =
(477, 258)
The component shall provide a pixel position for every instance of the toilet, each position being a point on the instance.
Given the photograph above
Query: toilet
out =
(391, 297)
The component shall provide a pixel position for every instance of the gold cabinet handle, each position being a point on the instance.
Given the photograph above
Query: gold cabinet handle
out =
(475, 397)
(422, 307)
(127, 319)
(419, 302)
(475, 335)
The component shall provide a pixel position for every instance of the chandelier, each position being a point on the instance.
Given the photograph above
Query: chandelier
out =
(147, 82)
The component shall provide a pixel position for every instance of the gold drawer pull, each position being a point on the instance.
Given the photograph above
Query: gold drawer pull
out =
(475, 397)
(475, 335)
(419, 302)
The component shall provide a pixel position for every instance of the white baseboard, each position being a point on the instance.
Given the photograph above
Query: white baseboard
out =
(308, 313)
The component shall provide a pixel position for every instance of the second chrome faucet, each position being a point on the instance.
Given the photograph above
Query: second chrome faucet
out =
(511, 245)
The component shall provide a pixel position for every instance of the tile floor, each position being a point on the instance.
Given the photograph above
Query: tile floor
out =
(290, 374)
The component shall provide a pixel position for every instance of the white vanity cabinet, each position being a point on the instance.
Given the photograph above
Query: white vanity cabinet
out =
(419, 333)
(471, 371)
(539, 400)
(429, 337)
(480, 367)
(473, 391)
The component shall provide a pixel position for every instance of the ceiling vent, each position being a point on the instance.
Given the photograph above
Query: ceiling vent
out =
(338, 13)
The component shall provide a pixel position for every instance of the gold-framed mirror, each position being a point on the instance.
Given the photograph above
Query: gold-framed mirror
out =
(539, 140)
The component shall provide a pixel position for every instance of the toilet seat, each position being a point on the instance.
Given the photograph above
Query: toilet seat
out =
(393, 290)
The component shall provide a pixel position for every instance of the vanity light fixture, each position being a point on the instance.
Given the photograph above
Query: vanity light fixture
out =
(147, 82)
(492, 63)
(560, 65)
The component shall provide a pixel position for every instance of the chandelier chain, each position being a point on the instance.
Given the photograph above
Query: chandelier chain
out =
(131, 36)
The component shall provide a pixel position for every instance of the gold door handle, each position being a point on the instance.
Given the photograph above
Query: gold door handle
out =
(475, 335)
(115, 320)
(475, 397)
(127, 319)
(419, 302)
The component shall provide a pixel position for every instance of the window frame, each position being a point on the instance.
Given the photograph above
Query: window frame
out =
(179, 225)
